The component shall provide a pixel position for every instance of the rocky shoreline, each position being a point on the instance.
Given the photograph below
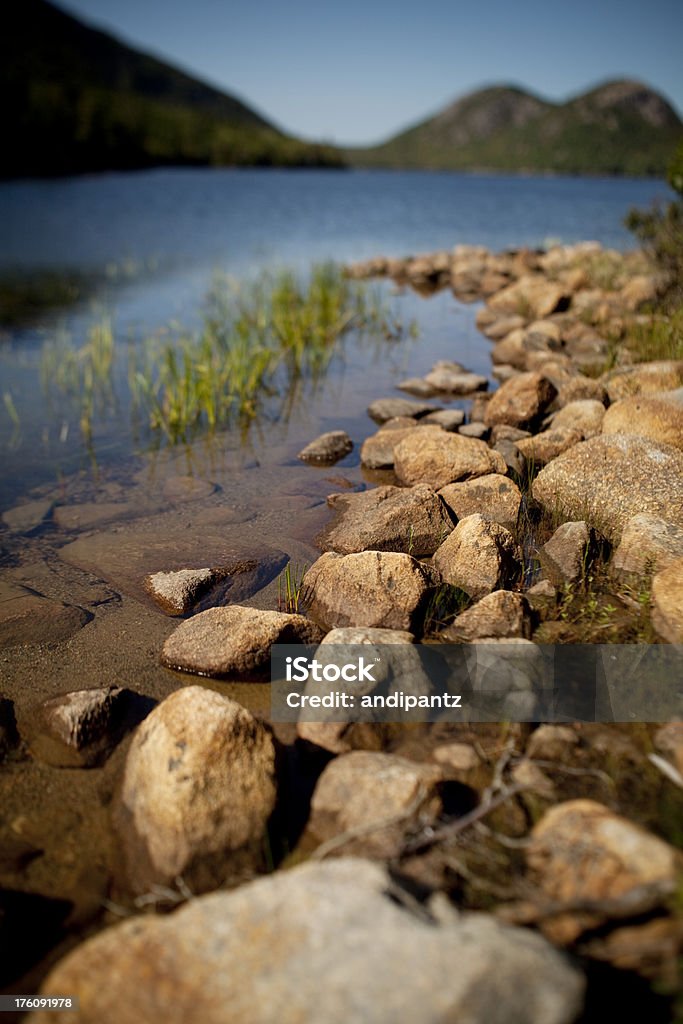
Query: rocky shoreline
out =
(498, 871)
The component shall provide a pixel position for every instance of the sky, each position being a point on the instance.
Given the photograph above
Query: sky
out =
(358, 71)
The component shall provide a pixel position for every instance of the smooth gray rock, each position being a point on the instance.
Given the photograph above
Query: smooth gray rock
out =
(336, 941)
(386, 408)
(448, 419)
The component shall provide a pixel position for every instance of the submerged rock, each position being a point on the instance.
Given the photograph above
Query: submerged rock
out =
(182, 488)
(27, 618)
(382, 589)
(198, 789)
(435, 457)
(612, 478)
(342, 935)
(327, 448)
(414, 520)
(27, 517)
(479, 556)
(234, 641)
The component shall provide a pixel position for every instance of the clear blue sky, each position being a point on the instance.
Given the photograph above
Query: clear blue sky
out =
(356, 71)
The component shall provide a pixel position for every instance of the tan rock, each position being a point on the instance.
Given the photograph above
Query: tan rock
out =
(435, 457)
(611, 478)
(382, 589)
(500, 326)
(639, 290)
(198, 789)
(478, 557)
(564, 558)
(532, 295)
(520, 401)
(234, 641)
(669, 741)
(643, 379)
(501, 614)
(648, 543)
(579, 388)
(387, 408)
(585, 415)
(546, 446)
(648, 417)
(327, 448)
(667, 602)
(580, 850)
(410, 519)
(552, 743)
(494, 496)
(377, 451)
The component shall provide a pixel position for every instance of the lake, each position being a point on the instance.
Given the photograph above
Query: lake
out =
(149, 243)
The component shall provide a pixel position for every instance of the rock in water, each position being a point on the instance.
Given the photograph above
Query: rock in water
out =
(327, 448)
(414, 520)
(387, 408)
(612, 478)
(198, 789)
(520, 401)
(381, 589)
(337, 941)
(234, 641)
(178, 592)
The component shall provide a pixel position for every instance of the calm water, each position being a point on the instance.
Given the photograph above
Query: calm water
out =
(154, 240)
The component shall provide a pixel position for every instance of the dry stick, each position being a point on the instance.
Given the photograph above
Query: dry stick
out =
(455, 828)
(641, 900)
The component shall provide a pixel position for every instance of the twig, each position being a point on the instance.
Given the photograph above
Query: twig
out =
(672, 773)
(455, 828)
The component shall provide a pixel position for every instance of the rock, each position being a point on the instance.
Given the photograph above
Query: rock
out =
(386, 408)
(377, 451)
(508, 678)
(381, 589)
(27, 517)
(643, 379)
(126, 554)
(503, 372)
(501, 614)
(81, 728)
(503, 432)
(542, 597)
(478, 430)
(478, 557)
(638, 290)
(448, 419)
(362, 789)
(547, 445)
(659, 420)
(584, 415)
(532, 296)
(234, 641)
(182, 488)
(340, 934)
(647, 543)
(552, 743)
(451, 377)
(500, 326)
(178, 592)
(581, 388)
(580, 850)
(433, 456)
(521, 401)
(564, 558)
(341, 737)
(494, 496)
(667, 602)
(89, 514)
(198, 789)
(512, 457)
(327, 448)
(461, 758)
(611, 478)
(417, 386)
(669, 741)
(414, 520)
(31, 619)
